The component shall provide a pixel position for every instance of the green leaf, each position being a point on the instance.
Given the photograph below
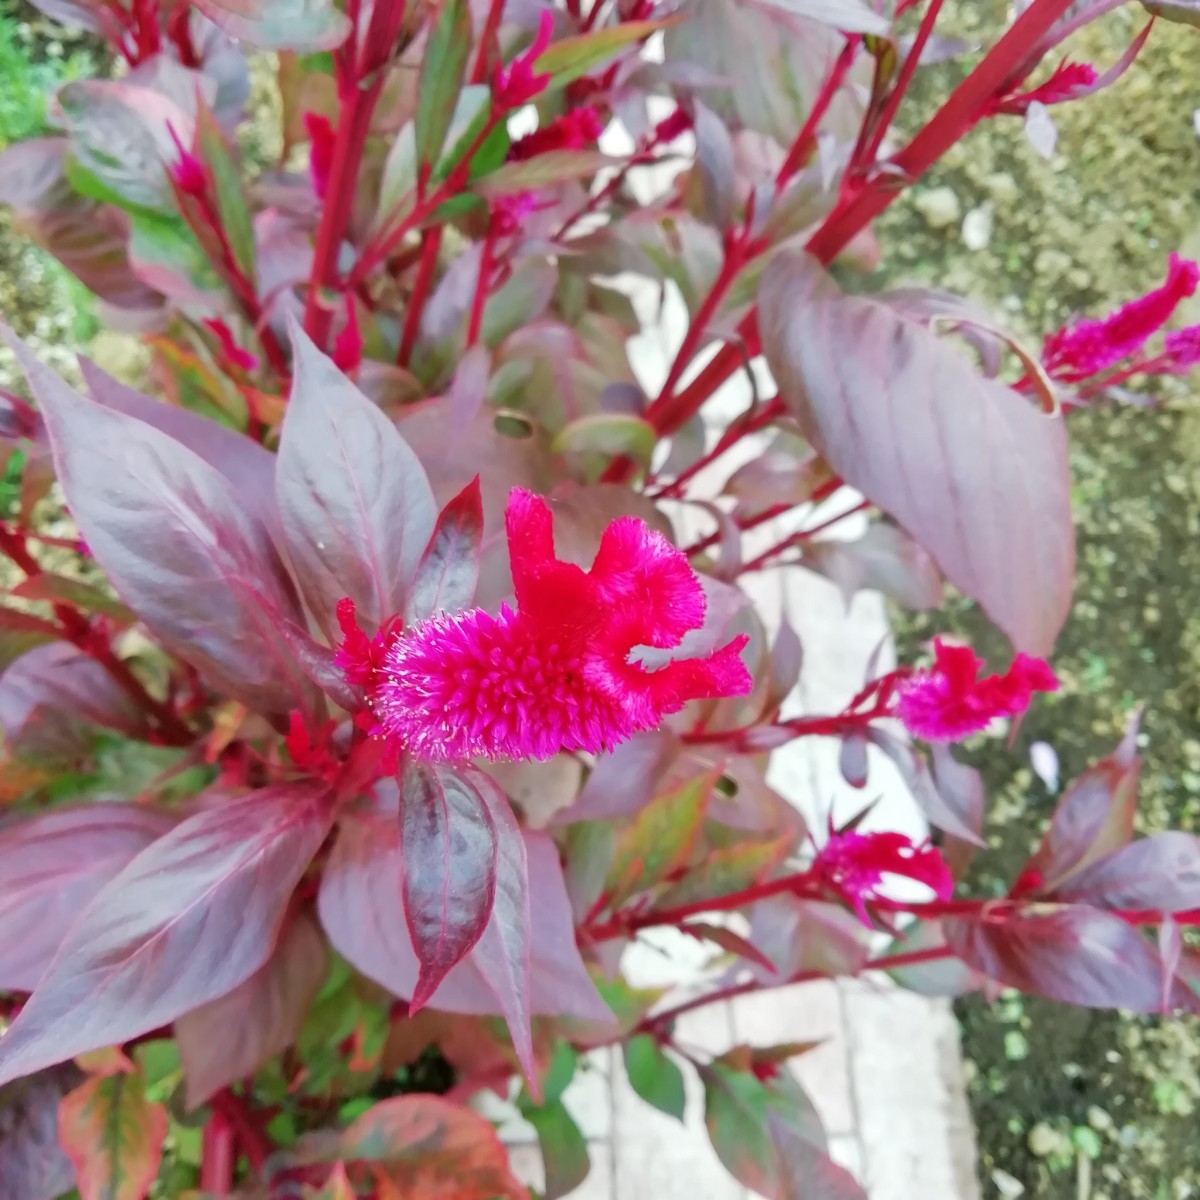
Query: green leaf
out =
(608, 435)
(591, 847)
(113, 1136)
(564, 1150)
(560, 1073)
(544, 170)
(280, 24)
(728, 870)
(397, 188)
(470, 116)
(654, 1076)
(227, 183)
(166, 247)
(442, 71)
(573, 57)
(660, 838)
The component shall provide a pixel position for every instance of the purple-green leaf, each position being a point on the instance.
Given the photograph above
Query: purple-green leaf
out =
(449, 569)
(449, 845)
(302, 25)
(654, 1076)
(974, 471)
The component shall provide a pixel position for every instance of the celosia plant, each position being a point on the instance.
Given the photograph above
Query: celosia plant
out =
(399, 675)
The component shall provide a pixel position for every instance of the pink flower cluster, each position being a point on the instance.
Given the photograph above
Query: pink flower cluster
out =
(854, 864)
(572, 131)
(1088, 347)
(556, 673)
(1069, 82)
(950, 700)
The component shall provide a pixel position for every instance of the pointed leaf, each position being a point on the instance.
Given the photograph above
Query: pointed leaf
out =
(356, 507)
(230, 1038)
(729, 941)
(51, 865)
(806, 1172)
(113, 1136)
(32, 1165)
(1093, 819)
(727, 870)
(542, 171)
(971, 469)
(660, 838)
(442, 69)
(449, 569)
(448, 841)
(564, 1150)
(361, 910)
(227, 187)
(190, 918)
(1069, 953)
(1159, 873)
(568, 58)
(654, 1076)
(179, 549)
(425, 1145)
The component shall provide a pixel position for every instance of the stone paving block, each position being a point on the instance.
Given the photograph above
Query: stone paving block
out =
(907, 1074)
(806, 1012)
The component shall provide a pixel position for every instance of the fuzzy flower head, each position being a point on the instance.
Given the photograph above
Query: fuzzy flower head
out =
(1182, 348)
(517, 83)
(188, 171)
(855, 864)
(1088, 347)
(574, 130)
(556, 673)
(950, 700)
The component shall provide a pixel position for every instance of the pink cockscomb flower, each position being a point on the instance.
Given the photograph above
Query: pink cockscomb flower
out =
(1069, 81)
(950, 700)
(855, 864)
(556, 673)
(1088, 347)
(517, 83)
(1182, 348)
(572, 131)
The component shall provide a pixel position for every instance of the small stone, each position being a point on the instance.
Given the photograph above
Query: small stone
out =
(1044, 1140)
(1003, 187)
(977, 227)
(1079, 277)
(1098, 1119)
(939, 206)
(1006, 1186)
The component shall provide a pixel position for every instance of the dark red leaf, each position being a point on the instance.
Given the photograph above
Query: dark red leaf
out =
(356, 506)
(51, 866)
(971, 469)
(729, 941)
(187, 921)
(805, 1170)
(1071, 953)
(230, 1038)
(248, 467)
(448, 843)
(449, 569)
(961, 787)
(32, 1165)
(55, 695)
(178, 547)
(1160, 873)
(361, 909)
(1093, 819)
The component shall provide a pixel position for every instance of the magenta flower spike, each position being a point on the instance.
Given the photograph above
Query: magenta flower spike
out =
(517, 84)
(555, 673)
(950, 700)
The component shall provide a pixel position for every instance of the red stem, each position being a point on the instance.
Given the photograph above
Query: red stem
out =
(907, 71)
(354, 122)
(217, 1157)
(234, 1112)
(487, 36)
(481, 290)
(802, 536)
(431, 243)
(806, 140)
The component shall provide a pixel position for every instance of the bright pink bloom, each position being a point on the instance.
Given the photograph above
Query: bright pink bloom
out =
(1069, 81)
(231, 352)
(189, 172)
(348, 345)
(517, 84)
(556, 673)
(320, 157)
(854, 864)
(572, 131)
(1183, 347)
(950, 701)
(1087, 347)
(508, 212)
